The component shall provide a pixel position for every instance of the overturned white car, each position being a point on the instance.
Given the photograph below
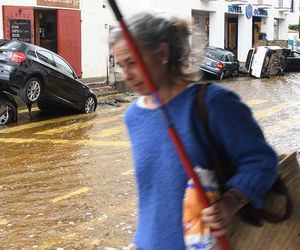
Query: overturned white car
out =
(266, 61)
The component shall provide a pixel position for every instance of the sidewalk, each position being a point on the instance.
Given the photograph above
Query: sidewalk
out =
(97, 84)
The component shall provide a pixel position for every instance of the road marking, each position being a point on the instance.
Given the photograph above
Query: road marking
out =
(42, 123)
(129, 172)
(69, 195)
(31, 125)
(274, 109)
(255, 102)
(110, 131)
(78, 125)
(71, 142)
(283, 126)
(3, 222)
(26, 110)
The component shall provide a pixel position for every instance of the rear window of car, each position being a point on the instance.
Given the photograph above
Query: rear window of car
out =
(231, 57)
(213, 55)
(46, 57)
(13, 45)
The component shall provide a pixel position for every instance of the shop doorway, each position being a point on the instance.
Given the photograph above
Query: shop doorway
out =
(256, 30)
(46, 29)
(232, 35)
(60, 31)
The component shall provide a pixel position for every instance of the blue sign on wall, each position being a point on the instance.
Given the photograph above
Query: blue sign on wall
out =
(249, 11)
(235, 9)
(260, 12)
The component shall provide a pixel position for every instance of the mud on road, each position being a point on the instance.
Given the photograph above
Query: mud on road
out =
(66, 182)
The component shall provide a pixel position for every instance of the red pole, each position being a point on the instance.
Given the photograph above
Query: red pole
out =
(186, 162)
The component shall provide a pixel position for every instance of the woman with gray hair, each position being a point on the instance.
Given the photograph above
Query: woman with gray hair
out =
(163, 187)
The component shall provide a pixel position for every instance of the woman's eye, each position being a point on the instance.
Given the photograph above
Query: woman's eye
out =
(131, 63)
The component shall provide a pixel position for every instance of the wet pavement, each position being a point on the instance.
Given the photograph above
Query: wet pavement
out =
(66, 182)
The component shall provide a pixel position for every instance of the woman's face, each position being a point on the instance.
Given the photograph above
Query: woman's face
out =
(130, 69)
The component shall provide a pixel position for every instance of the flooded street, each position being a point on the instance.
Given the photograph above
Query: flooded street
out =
(275, 103)
(67, 182)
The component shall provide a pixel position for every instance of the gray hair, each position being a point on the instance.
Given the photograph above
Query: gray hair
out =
(151, 31)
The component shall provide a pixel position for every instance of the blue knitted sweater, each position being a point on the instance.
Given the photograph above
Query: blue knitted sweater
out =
(161, 180)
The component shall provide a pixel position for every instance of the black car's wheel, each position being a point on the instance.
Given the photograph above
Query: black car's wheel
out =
(222, 75)
(235, 73)
(31, 91)
(89, 105)
(7, 113)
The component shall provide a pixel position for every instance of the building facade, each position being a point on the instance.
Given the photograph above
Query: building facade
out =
(78, 30)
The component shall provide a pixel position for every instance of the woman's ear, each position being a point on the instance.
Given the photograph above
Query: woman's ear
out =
(164, 52)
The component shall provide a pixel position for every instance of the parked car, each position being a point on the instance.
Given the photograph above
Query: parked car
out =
(266, 61)
(293, 61)
(39, 75)
(220, 63)
(3, 41)
(8, 109)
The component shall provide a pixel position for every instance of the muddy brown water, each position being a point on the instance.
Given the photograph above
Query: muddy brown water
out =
(66, 181)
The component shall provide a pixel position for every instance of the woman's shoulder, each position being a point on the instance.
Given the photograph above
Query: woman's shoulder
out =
(131, 109)
(135, 111)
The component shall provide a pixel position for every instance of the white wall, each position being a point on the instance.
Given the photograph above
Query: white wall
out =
(283, 31)
(94, 38)
(268, 26)
(217, 28)
(244, 37)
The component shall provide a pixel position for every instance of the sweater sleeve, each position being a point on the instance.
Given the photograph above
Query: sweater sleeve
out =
(238, 134)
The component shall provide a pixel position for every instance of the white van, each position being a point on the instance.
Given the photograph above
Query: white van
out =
(265, 61)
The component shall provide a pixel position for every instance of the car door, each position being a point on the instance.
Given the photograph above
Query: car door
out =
(71, 90)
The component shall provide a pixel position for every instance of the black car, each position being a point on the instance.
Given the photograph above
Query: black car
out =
(220, 63)
(293, 61)
(40, 76)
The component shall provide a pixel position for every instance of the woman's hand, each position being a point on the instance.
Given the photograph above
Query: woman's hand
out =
(219, 215)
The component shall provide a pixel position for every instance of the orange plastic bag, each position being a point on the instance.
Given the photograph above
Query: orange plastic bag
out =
(196, 234)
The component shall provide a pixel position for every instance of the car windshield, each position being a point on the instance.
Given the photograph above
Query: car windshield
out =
(213, 55)
(13, 45)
